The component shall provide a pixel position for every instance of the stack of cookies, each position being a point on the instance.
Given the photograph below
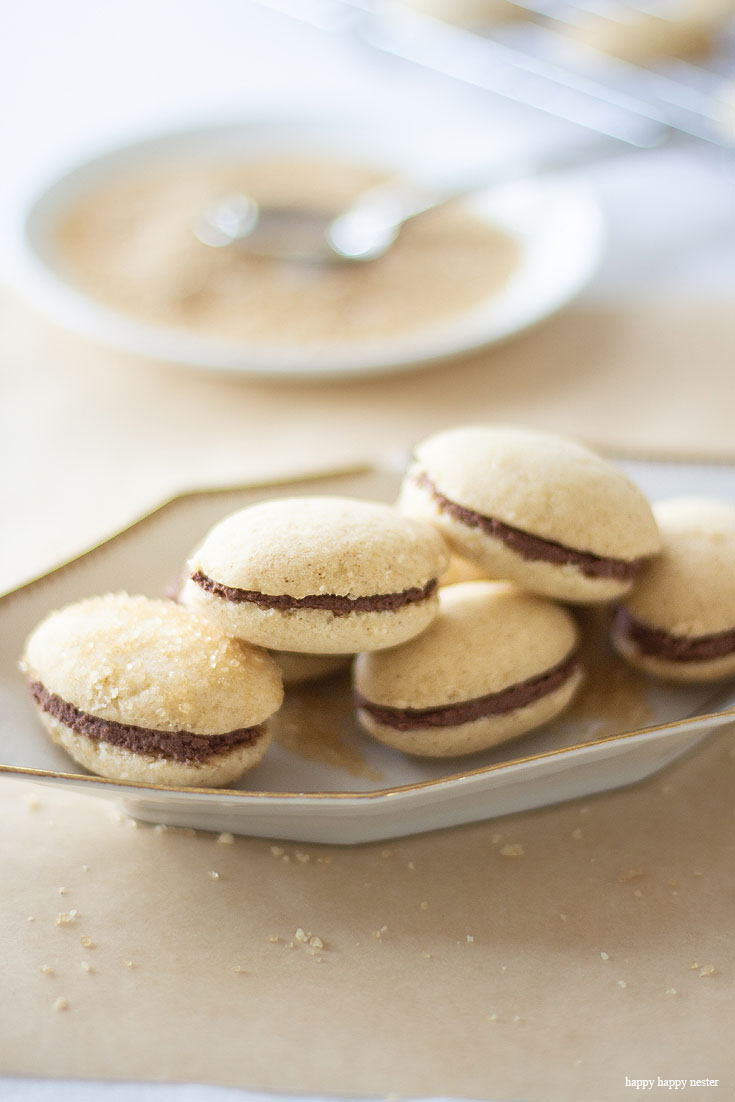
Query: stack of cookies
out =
(180, 691)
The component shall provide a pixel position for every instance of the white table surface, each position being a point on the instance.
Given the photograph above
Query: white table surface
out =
(80, 75)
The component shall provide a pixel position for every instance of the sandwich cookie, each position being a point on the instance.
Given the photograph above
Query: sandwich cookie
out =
(679, 621)
(296, 669)
(495, 663)
(144, 690)
(318, 575)
(537, 509)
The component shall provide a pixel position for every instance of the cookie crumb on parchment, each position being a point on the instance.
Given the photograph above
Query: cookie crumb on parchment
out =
(67, 918)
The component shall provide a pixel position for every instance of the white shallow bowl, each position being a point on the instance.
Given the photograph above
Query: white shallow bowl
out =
(557, 223)
(334, 783)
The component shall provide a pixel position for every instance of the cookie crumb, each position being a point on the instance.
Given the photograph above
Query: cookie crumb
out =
(277, 851)
(63, 891)
(426, 956)
(563, 916)
(424, 905)
(514, 849)
(385, 853)
(66, 918)
(46, 970)
(698, 872)
(301, 935)
(286, 859)
(273, 938)
(239, 970)
(226, 839)
(86, 942)
(85, 868)
(493, 1017)
(671, 991)
(324, 860)
(638, 893)
(604, 955)
(160, 828)
(302, 858)
(32, 802)
(86, 967)
(622, 983)
(410, 865)
(470, 938)
(316, 943)
(631, 874)
(694, 966)
(61, 1004)
(129, 963)
(30, 918)
(709, 970)
(496, 839)
(212, 874)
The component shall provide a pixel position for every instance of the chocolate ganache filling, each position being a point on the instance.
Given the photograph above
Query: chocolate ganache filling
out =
(329, 602)
(677, 648)
(480, 707)
(174, 745)
(533, 547)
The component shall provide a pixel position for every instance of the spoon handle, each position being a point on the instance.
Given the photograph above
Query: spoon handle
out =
(396, 202)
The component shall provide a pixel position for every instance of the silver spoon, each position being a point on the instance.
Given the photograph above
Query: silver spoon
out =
(368, 228)
(365, 231)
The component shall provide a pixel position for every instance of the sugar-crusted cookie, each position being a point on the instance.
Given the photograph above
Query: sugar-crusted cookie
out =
(679, 621)
(144, 690)
(319, 575)
(495, 663)
(538, 509)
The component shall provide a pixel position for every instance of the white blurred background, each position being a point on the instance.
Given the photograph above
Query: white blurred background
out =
(77, 76)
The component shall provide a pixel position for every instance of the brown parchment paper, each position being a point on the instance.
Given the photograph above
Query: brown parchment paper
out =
(447, 968)
(604, 951)
(96, 437)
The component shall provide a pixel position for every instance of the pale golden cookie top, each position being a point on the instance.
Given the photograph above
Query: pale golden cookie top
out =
(487, 637)
(689, 589)
(543, 484)
(151, 663)
(307, 546)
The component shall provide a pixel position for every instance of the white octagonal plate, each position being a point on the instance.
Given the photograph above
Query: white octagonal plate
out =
(323, 779)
